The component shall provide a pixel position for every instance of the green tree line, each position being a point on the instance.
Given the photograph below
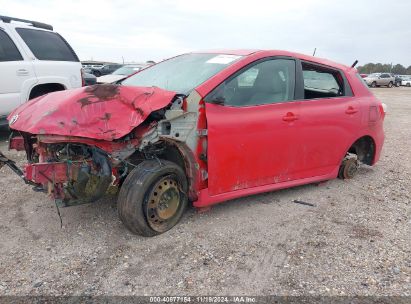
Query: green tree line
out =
(384, 68)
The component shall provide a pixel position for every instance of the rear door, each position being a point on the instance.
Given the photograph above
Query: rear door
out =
(252, 121)
(53, 58)
(330, 120)
(15, 74)
(385, 79)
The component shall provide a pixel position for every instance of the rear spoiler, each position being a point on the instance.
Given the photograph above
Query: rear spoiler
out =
(33, 23)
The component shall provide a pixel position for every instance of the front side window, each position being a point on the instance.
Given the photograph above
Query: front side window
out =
(47, 45)
(270, 81)
(321, 82)
(182, 73)
(8, 50)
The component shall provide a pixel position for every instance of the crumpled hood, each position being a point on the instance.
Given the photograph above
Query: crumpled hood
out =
(103, 112)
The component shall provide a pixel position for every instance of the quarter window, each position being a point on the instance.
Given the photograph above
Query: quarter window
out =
(47, 45)
(321, 82)
(8, 50)
(270, 81)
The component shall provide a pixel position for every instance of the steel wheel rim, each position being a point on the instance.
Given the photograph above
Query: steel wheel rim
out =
(163, 203)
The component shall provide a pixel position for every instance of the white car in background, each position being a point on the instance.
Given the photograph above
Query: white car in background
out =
(406, 81)
(120, 73)
(34, 60)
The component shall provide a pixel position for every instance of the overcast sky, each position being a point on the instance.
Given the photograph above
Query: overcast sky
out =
(345, 30)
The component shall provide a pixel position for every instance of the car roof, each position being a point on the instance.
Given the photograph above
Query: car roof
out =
(22, 23)
(25, 26)
(133, 65)
(267, 53)
(239, 52)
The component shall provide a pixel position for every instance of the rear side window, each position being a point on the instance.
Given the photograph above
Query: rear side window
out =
(47, 45)
(8, 50)
(320, 82)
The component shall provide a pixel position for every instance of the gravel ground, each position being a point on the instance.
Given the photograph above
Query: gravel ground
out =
(354, 241)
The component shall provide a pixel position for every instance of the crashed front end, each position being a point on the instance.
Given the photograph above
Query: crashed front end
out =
(82, 144)
(71, 172)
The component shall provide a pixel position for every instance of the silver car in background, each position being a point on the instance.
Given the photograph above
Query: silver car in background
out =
(380, 79)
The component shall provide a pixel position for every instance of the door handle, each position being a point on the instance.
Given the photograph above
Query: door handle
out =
(351, 110)
(22, 72)
(290, 117)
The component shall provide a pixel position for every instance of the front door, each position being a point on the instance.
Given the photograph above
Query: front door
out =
(253, 122)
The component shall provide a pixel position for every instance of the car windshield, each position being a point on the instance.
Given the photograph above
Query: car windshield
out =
(182, 73)
(126, 70)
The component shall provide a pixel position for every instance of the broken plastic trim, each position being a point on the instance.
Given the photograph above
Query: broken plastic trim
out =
(12, 165)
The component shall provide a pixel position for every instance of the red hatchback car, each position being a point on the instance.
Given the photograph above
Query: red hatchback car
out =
(202, 128)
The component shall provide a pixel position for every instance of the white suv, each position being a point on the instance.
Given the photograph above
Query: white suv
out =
(34, 61)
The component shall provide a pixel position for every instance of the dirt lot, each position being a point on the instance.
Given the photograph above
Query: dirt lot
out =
(355, 241)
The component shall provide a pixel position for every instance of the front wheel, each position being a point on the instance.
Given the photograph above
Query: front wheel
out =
(408, 84)
(373, 84)
(397, 84)
(153, 197)
(390, 84)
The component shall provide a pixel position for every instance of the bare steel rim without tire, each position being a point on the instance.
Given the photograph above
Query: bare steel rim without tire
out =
(163, 203)
(349, 168)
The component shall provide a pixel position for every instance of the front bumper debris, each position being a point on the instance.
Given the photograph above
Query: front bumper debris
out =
(12, 165)
(44, 174)
(58, 172)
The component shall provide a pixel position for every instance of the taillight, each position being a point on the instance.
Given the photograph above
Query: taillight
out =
(383, 109)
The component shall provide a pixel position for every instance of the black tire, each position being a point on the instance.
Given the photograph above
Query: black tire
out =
(408, 85)
(390, 84)
(397, 84)
(135, 204)
(373, 84)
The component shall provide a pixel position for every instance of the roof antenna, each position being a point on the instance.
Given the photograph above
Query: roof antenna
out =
(315, 49)
(354, 64)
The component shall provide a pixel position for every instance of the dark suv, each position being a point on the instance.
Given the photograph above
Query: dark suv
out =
(397, 81)
(105, 69)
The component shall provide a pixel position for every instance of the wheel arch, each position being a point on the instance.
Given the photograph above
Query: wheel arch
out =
(180, 154)
(365, 148)
(46, 88)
